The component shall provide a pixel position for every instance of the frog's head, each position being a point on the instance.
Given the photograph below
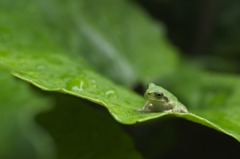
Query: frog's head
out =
(155, 93)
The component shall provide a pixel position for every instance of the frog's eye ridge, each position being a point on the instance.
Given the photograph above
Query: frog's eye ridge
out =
(159, 94)
(166, 99)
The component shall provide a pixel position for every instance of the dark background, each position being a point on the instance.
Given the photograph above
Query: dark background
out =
(207, 32)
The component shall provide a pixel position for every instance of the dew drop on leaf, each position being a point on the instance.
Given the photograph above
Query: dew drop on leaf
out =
(111, 94)
(78, 87)
(77, 84)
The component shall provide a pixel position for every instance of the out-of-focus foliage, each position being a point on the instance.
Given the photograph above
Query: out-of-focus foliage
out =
(115, 38)
(82, 131)
(60, 45)
(20, 137)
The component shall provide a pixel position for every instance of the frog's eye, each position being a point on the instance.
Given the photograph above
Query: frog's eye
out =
(159, 94)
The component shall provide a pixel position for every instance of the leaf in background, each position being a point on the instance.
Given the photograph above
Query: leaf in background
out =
(82, 131)
(219, 102)
(115, 37)
(20, 136)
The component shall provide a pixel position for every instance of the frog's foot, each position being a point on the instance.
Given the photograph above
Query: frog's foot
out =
(147, 108)
(180, 110)
(168, 111)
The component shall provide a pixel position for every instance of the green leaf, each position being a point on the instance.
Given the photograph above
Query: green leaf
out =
(31, 54)
(30, 49)
(81, 131)
(56, 75)
(20, 136)
(58, 72)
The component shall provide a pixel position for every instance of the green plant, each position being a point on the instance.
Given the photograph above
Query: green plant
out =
(96, 51)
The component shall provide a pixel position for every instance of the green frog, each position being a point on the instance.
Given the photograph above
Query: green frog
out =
(161, 100)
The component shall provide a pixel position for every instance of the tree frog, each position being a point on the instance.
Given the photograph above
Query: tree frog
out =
(160, 100)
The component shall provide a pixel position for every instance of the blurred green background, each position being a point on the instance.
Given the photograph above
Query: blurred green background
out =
(170, 42)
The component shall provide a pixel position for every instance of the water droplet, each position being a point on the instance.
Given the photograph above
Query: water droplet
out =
(111, 94)
(79, 87)
(77, 84)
